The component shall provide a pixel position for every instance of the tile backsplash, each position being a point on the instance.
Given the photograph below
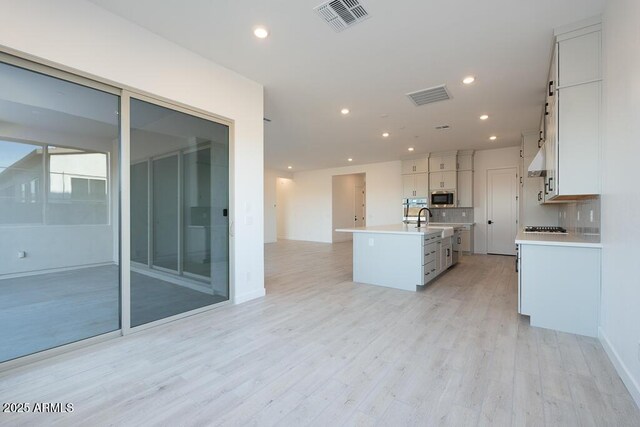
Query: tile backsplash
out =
(582, 217)
(452, 215)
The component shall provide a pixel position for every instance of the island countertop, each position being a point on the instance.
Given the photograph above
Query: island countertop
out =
(394, 229)
(571, 239)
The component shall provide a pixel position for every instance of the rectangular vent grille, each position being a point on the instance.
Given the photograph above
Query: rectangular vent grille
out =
(341, 14)
(429, 96)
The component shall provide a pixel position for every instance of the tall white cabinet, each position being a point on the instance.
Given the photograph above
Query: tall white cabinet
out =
(465, 179)
(572, 116)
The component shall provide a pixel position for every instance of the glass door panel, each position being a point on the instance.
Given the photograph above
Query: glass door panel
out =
(186, 200)
(59, 273)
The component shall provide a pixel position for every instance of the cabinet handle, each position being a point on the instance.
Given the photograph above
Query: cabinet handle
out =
(546, 188)
(546, 106)
(551, 88)
(521, 156)
(550, 179)
(520, 180)
(540, 140)
(540, 195)
(459, 240)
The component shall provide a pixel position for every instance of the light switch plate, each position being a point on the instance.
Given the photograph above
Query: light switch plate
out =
(370, 241)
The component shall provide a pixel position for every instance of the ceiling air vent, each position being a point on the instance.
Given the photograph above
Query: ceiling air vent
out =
(443, 127)
(341, 14)
(431, 95)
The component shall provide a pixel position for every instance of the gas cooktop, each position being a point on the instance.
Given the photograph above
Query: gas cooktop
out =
(543, 229)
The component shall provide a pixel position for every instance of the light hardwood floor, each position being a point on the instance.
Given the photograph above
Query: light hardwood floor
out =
(321, 350)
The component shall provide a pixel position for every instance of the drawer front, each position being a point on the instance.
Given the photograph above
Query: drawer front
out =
(430, 238)
(430, 252)
(430, 271)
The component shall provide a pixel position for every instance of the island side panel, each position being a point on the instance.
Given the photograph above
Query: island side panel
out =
(391, 260)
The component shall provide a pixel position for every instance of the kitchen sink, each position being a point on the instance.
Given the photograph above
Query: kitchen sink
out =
(446, 231)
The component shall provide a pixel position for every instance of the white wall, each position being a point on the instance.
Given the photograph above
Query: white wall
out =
(82, 36)
(484, 160)
(343, 204)
(620, 316)
(310, 213)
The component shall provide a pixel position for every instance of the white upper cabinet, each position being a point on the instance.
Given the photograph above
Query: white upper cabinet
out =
(465, 161)
(443, 163)
(572, 116)
(580, 58)
(443, 180)
(415, 185)
(415, 166)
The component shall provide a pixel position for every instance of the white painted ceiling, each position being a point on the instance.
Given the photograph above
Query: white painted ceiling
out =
(310, 72)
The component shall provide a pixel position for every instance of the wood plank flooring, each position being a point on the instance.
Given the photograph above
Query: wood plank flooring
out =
(320, 350)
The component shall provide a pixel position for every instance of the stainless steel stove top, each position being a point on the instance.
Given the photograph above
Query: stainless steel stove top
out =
(543, 229)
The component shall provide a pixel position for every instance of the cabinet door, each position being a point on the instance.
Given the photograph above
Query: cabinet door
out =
(421, 165)
(435, 163)
(421, 184)
(465, 162)
(408, 186)
(465, 189)
(408, 166)
(579, 59)
(435, 181)
(449, 163)
(449, 180)
(578, 140)
(465, 240)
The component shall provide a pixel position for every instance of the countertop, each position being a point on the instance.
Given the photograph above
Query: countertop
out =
(451, 224)
(393, 229)
(571, 239)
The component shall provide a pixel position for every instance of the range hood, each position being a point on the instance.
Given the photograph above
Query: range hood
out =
(537, 166)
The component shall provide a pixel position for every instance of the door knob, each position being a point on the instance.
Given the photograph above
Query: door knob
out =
(489, 222)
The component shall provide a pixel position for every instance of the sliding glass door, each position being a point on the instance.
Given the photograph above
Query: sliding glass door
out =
(179, 212)
(65, 147)
(59, 262)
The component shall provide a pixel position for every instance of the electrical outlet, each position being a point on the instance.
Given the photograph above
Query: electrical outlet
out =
(370, 241)
(578, 216)
(22, 254)
(444, 214)
(464, 214)
(639, 352)
(591, 215)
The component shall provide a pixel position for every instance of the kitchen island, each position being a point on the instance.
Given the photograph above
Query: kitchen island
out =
(401, 256)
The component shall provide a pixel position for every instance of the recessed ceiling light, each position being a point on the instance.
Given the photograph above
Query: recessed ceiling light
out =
(385, 135)
(484, 117)
(468, 80)
(493, 137)
(345, 111)
(349, 159)
(261, 32)
(289, 167)
(410, 148)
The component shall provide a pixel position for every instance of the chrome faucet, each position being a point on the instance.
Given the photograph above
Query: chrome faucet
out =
(426, 218)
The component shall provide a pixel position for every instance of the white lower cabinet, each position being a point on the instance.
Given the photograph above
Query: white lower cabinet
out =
(559, 287)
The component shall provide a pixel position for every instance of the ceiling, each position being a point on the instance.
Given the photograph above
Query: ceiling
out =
(310, 72)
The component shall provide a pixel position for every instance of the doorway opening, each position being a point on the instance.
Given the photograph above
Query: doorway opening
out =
(348, 204)
(502, 214)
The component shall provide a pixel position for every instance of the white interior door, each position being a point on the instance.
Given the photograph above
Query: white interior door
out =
(359, 207)
(501, 211)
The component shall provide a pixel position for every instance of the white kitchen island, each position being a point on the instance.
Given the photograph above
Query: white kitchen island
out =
(400, 256)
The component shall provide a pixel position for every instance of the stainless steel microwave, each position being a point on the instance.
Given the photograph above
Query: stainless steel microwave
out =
(443, 199)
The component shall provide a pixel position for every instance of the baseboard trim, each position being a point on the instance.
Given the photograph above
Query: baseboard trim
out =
(248, 296)
(625, 375)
